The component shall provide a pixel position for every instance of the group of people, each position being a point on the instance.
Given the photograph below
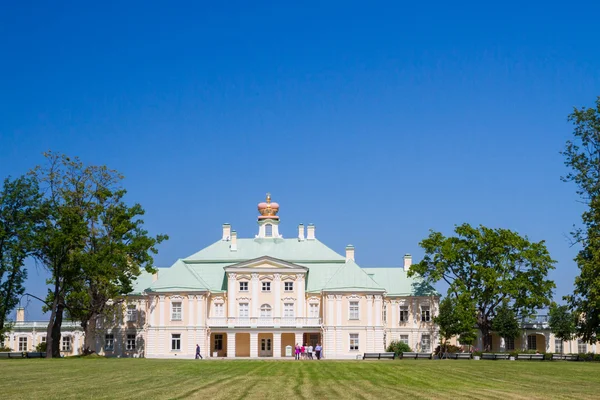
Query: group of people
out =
(305, 352)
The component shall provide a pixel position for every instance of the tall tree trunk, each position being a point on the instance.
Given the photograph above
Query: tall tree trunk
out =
(49, 340)
(56, 330)
(89, 332)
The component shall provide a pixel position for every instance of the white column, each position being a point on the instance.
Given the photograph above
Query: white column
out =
(277, 297)
(231, 295)
(254, 312)
(330, 312)
(76, 344)
(378, 299)
(190, 313)
(301, 295)
(369, 310)
(200, 317)
(253, 344)
(161, 311)
(298, 337)
(338, 311)
(277, 345)
(230, 344)
(502, 344)
(414, 311)
(338, 329)
(395, 312)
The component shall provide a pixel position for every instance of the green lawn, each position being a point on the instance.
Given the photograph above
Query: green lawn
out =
(100, 378)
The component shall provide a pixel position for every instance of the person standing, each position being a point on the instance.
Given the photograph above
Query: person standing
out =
(198, 355)
(309, 352)
(303, 351)
(318, 350)
(297, 351)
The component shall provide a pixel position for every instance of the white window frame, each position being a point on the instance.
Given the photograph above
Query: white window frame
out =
(23, 342)
(354, 339)
(289, 311)
(130, 344)
(509, 344)
(268, 230)
(290, 284)
(243, 310)
(219, 310)
(558, 346)
(404, 339)
(218, 339)
(403, 315)
(313, 310)
(243, 286)
(66, 343)
(354, 310)
(176, 342)
(581, 343)
(426, 343)
(266, 311)
(266, 286)
(131, 313)
(384, 312)
(531, 342)
(109, 342)
(177, 310)
(425, 314)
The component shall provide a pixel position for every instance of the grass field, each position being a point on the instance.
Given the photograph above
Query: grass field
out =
(99, 378)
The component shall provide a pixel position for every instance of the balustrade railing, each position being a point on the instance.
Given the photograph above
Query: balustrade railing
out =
(263, 322)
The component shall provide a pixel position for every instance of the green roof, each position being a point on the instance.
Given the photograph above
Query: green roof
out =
(347, 276)
(291, 250)
(397, 283)
(180, 277)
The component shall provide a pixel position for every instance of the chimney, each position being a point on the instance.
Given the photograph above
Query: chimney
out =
(155, 276)
(407, 261)
(301, 232)
(20, 314)
(349, 253)
(226, 232)
(310, 232)
(233, 245)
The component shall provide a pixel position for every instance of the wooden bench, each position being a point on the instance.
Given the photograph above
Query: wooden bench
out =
(565, 357)
(459, 356)
(539, 357)
(379, 356)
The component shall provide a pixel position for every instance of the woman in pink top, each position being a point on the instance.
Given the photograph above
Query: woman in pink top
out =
(297, 352)
(303, 352)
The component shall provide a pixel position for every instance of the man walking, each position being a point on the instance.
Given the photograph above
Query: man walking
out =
(198, 355)
(318, 349)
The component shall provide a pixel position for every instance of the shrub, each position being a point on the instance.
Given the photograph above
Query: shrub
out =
(449, 349)
(41, 347)
(477, 353)
(398, 347)
(4, 349)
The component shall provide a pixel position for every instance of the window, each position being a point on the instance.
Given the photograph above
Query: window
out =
(243, 286)
(268, 230)
(266, 286)
(244, 312)
(130, 345)
(131, 313)
(66, 343)
(313, 311)
(510, 343)
(265, 311)
(353, 313)
(109, 342)
(384, 315)
(22, 343)
(425, 344)
(289, 286)
(176, 341)
(288, 310)
(558, 346)
(404, 338)
(176, 311)
(581, 346)
(425, 314)
(531, 342)
(219, 310)
(218, 342)
(403, 313)
(43, 339)
(354, 342)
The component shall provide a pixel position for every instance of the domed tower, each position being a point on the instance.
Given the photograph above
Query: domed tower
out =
(268, 221)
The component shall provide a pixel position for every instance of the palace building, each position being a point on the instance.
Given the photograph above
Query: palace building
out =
(259, 296)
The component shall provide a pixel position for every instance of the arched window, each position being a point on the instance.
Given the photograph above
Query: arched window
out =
(265, 311)
(268, 230)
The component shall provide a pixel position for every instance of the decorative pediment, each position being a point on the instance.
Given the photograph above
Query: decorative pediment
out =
(265, 264)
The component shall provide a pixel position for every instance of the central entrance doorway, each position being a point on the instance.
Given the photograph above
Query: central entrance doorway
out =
(266, 347)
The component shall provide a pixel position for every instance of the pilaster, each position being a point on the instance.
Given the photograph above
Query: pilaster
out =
(369, 310)
(330, 312)
(200, 312)
(254, 311)
(378, 299)
(231, 345)
(277, 295)
(301, 295)
(231, 294)
(298, 339)
(395, 313)
(253, 344)
(277, 345)
(161, 311)
(338, 311)
(190, 310)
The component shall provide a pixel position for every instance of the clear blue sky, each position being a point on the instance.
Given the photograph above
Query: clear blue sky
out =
(376, 123)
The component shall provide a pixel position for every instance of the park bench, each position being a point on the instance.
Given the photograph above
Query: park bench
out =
(4, 355)
(539, 357)
(416, 355)
(379, 356)
(36, 354)
(459, 356)
(565, 357)
(15, 354)
(488, 356)
(502, 356)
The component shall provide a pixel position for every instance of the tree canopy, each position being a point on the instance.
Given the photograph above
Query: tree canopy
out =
(563, 322)
(506, 323)
(582, 156)
(456, 317)
(491, 267)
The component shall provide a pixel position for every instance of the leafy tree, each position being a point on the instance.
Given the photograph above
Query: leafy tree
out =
(41, 347)
(563, 322)
(489, 266)
(20, 217)
(398, 347)
(456, 316)
(505, 323)
(582, 156)
(117, 249)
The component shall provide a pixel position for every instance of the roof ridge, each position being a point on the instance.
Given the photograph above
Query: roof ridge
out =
(198, 277)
